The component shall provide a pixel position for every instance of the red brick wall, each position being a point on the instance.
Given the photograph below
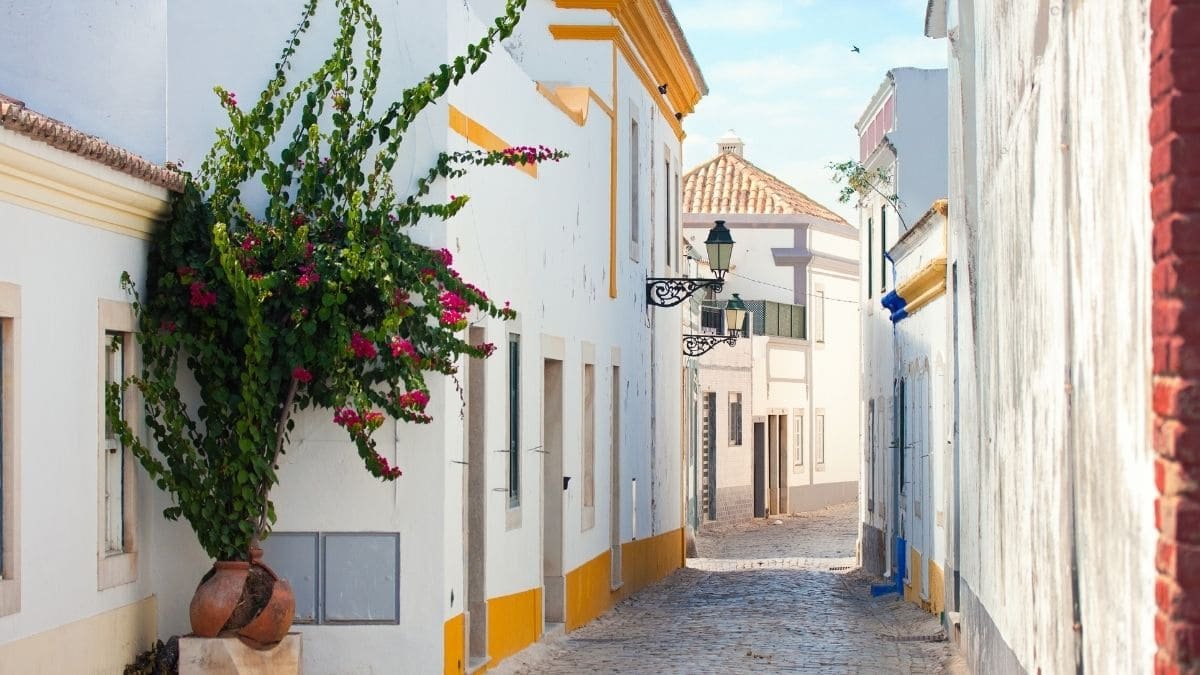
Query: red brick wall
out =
(1175, 202)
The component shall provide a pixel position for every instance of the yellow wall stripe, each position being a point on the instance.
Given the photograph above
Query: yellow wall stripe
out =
(480, 135)
(643, 562)
(514, 623)
(454, 645)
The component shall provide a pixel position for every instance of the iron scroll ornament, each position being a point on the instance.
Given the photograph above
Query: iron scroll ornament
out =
(697, 345)
(662, 292)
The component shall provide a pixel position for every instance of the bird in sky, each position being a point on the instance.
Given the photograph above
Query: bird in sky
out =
(855, 49)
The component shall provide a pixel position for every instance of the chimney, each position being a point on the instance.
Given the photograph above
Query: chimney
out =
(731, 143)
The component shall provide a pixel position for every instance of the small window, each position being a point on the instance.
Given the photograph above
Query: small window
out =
(514, 420)
(870, 257)
(116, 484)
(871, 456)
(819, 441)
(798, 439)
(10, 573)
(589, 445)
(712, 320)
(735, 418)
(883, 250)
(670, 227)
(635, 169)
(819, 316)
(113, 449)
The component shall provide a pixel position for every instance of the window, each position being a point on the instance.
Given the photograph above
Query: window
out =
(883, 249)
(871, 456)
(635, 168)
(676, 237)
(589, 446)
(870, 257)
(819, 316)
(116, 482)
(114, 450)
(514, 420)
(798, 439)
(670, 228)
(819, 441)
(10, 583)
(901, 451)
(735, 418)
(712, 320)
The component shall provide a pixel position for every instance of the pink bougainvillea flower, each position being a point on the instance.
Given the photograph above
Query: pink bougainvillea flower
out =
(402, 347)
(299, 219)
(399, 297)
(168, 326)
(201, 297)
(487, 348)
(301, 374)
(362, 347)
(427, 274)
(231, 99)
(452, 319)
(445, 256)
(308, 276)
(308, 249)
(373, 419)
(346, 417)
(453, 302)
(250, 242)
(415, 399)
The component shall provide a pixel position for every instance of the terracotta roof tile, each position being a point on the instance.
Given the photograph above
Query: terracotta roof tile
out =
(729, 183)
(15, 117)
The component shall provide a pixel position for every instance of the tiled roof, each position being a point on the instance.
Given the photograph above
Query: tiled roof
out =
(729, 183)
(15, 117)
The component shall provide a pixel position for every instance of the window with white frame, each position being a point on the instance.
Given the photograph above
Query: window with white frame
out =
(735, 418)
(798, 444)
(114, 450)
(116, 484)
(635, 189)
(589, 445)
(819, 438)
(10, 581)
(514, 420)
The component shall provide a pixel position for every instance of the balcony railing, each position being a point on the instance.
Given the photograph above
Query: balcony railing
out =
(764, 317)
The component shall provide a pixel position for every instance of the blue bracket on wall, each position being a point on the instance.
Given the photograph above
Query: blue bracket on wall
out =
(896, 585)
(896, 305)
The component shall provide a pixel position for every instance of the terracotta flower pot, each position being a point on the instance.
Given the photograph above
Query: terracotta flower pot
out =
(243, 598)
(217, 596)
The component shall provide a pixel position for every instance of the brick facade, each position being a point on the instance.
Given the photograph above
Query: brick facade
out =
(1175, 202)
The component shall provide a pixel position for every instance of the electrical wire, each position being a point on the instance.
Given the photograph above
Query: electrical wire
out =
(786, 288)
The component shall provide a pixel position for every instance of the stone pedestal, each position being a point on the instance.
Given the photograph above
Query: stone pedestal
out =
(231, 656)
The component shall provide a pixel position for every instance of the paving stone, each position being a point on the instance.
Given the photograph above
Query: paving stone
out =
(763, 597)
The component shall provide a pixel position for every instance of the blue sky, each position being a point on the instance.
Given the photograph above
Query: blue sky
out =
(781, 74)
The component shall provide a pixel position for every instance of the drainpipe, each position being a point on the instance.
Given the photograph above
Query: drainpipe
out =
(893, 539)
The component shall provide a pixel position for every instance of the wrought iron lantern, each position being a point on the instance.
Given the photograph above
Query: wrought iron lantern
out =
(735, 317)
(668, 292)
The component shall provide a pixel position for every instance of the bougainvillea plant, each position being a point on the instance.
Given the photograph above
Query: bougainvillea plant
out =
(286, 280)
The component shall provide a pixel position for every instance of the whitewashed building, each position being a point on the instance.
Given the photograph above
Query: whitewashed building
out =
(779, 418)
(903, 132)
(550, 489)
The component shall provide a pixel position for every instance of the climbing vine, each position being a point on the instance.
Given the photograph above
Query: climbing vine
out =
(286, 280)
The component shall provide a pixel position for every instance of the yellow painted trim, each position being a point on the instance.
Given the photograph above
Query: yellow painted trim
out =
(937, 588)
(574, 102)
(923, 287)
(454, 643)
(103, 643)
(618, 38)
(655, 43)
(912, 585)
(514, 623)
(480, 135)
(45, 179)
(643, 562)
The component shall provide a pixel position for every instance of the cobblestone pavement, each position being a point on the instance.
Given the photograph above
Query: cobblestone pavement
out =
(762, 598)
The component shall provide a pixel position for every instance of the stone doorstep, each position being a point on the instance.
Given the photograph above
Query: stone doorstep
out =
(231, 656)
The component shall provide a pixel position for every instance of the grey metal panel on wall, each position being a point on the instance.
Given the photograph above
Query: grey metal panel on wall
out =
(293, 556)
(361, 572)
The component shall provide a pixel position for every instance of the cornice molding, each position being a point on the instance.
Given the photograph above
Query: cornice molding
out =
(78, 187)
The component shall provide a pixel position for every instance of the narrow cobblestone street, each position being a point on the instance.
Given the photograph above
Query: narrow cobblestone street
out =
(763, 597)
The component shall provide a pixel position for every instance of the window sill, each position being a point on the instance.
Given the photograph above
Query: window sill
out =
(10, 596)
(512, 518)
(820, 466)
(116, 570)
